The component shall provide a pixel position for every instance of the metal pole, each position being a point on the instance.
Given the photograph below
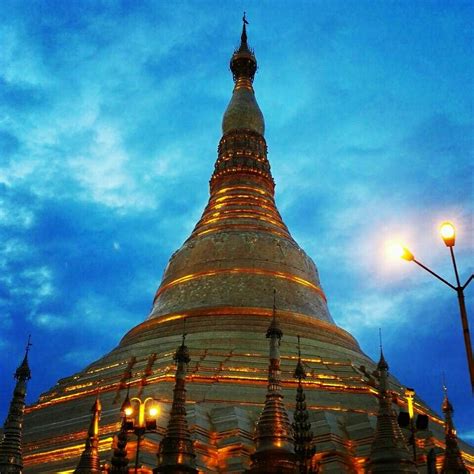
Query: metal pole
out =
(467, 336)
(139, 436)
(464, 320)
(462, 309)
(413, 439)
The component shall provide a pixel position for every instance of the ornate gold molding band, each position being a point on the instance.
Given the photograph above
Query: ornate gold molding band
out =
(246, 188)
(236, 271)
(240, 228)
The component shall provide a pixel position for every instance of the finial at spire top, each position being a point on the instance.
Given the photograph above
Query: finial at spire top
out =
(28, 344)
(23, 371)
(299, 373)
(244, 31)
(382, 365)
(184, 331)
(274, 328)
(182, 354)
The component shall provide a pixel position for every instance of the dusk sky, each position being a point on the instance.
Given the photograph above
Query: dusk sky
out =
(110, 116)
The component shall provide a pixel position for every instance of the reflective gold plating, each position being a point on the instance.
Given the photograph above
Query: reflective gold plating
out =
(251, 271)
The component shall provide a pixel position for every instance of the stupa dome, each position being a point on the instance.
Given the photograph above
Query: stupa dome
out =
(221, 283)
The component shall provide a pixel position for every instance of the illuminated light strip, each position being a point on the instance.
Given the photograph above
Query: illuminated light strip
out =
(236, 271)
(216, 207)
(250, 311)
(243, 198)
(243, 216)
(251, 210)
(241, 227)
(238, 206)
(251, 188)
(228, 197)
(66, 452)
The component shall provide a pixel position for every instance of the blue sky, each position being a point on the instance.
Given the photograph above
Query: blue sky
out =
(110, 117)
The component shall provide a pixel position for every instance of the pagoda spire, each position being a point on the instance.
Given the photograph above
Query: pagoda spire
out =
(242, 186)
(274, 442)
(11, 457)
(89, 463)
(176, 452)
(304, 448)
(389, 452)
(453, 462)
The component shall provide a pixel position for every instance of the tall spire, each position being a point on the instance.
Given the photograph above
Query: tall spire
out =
(453, 462)
(274, 450)
(90, 461)
(11, 458)
(176, 452)
(304, 448)
(389, 452)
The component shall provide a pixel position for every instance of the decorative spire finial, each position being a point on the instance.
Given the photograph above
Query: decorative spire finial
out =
(274, 435)
(304, 448)
(382, 365)
(274, 328)
(244, 31)
(89, 463)
(11, 455)
(176, 451)
(389, 452)
(28, 344)
(453, 461)
(299, 373)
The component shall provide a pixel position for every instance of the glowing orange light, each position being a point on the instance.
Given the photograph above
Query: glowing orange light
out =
(397, 250)
(153, 412)
(128, 411)
(448, 233)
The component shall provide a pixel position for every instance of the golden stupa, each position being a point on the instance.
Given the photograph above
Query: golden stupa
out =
(221, 281)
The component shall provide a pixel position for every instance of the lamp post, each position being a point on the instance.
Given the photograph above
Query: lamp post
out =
(448, 234)
(147, 411)
(408, 420)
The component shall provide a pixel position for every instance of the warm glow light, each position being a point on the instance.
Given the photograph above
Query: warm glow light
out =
(410, 393)
(153, 412)
(128, 411)
(448, 233)
(399, 251)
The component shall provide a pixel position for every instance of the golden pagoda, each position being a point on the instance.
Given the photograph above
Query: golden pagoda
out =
(222, 281)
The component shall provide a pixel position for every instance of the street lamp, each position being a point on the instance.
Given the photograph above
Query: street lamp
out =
(407, 420)
(147, 411)
(448, 234)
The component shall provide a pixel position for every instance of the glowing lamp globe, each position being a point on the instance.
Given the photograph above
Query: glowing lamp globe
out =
(399, 251)
(448, 233)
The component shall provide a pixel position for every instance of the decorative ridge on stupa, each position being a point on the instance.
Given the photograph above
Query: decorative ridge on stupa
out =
(176, 452)
(11, 455)
(389, 452)
(304, 447)
(453, 462)
(89, 463)
(274, 441)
